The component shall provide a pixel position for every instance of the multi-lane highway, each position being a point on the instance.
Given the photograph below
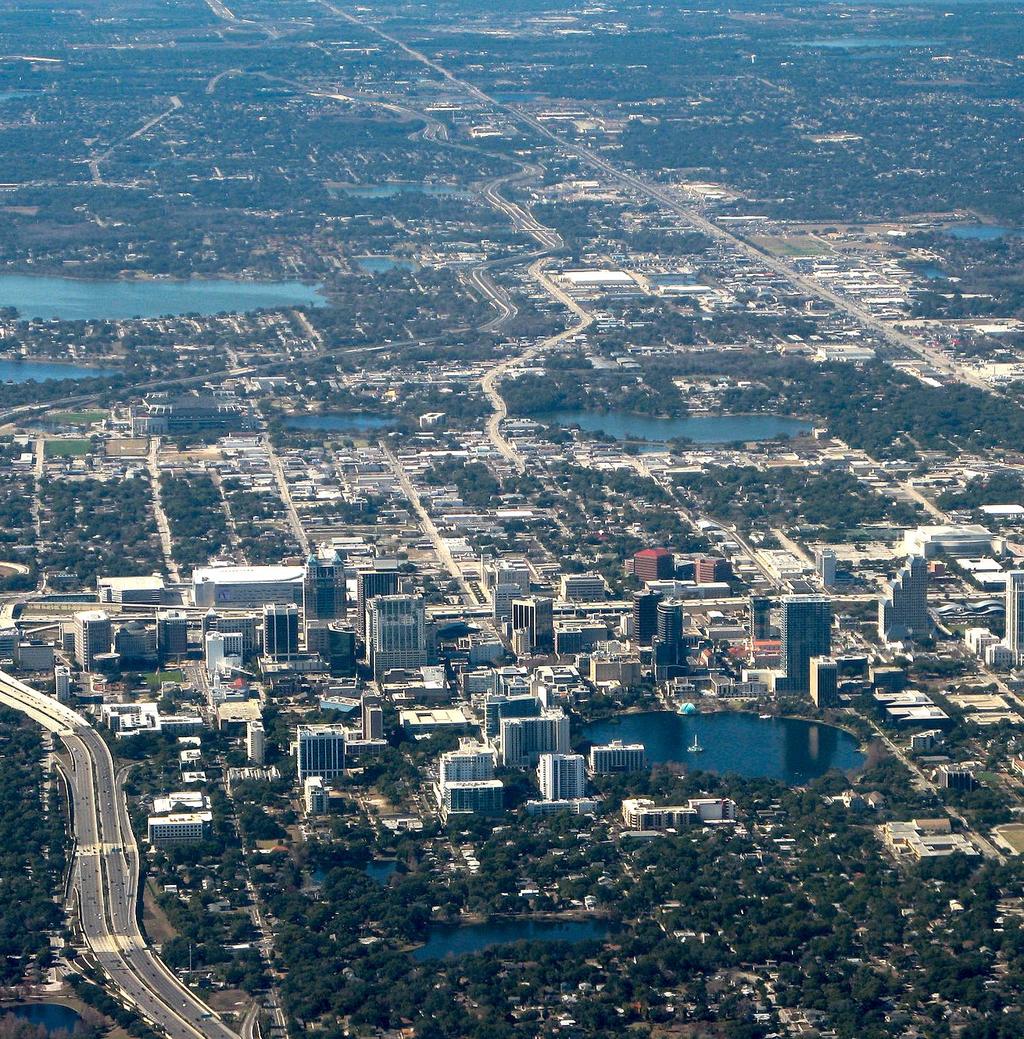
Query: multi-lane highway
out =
(105, 877)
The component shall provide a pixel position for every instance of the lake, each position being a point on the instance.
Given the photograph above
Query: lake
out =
(389, 189)
(54, 1017)
(867, 43)
(787, 749)
(74, 299)
(381, 870)
(40, 371)
(702, 429)
(980, 232)
(383, 264)
(338, 422)
(447, 941)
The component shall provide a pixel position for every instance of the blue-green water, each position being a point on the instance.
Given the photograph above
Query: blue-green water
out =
(339, 423)
(54, 1017)
(383, 264)
(449, 941)
(380, 870)
(788, 749)
(40, 371)
(980, 232)
(73, 299)
(702, 429)
(389, 189)
(849, 43)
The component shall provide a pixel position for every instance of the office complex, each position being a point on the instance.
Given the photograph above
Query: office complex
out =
(1015, 612)
(806, 633)
(582, 587)
(903, 610)
(246, 625)
(535, 615)
(645, 616)
(371, 715)
(320, 751)
(561, 777)
(379, 579)
(280, 631)
(824, 682)
(396, 633)
(323, 586)
(172, 633)
(654, 564)
(508, 581)
(94, 635)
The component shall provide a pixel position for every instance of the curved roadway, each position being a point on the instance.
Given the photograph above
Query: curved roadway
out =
(106, 874)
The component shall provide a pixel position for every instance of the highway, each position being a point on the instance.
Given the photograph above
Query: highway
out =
(661, 195)
(105, 874)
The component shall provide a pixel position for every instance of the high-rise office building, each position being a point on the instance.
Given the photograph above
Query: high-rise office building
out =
(256, 742)
(760, 624)
(710, 569)
(825, 565)
(1015, 611)
(824, 682)
(670, 648)
(222, 649)
(654, 564)
(806, 633)
(523, 740)
(371, 714)
(94, 634)
(323, 588)
(396, 632)
(280, 631)
(645, 616)
(509, 580)
(247, 625)
(335, 643)
(172, 633)
(62, 683)
(903, 609)
(535, 615)
(561, 777)
(320, 751)
(380, 579)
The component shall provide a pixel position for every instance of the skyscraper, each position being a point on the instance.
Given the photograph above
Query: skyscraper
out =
(824, 681)
(760, 618)
(280, 631)
(645, 616)
(653, 564)
(671, 649)
(825, 564)
(323, 587)
(93, 635)
(380, 579)
(320, 751)
(561, 777)
(172, 633)
(903, 609)
(396, 634)
(1015, 611)
(806, 633)
(535, 615)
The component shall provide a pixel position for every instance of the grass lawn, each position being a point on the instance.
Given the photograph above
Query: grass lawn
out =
(157, 678)
(1013, 834)
(77, 418)
(792, 245)
(68, 448)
